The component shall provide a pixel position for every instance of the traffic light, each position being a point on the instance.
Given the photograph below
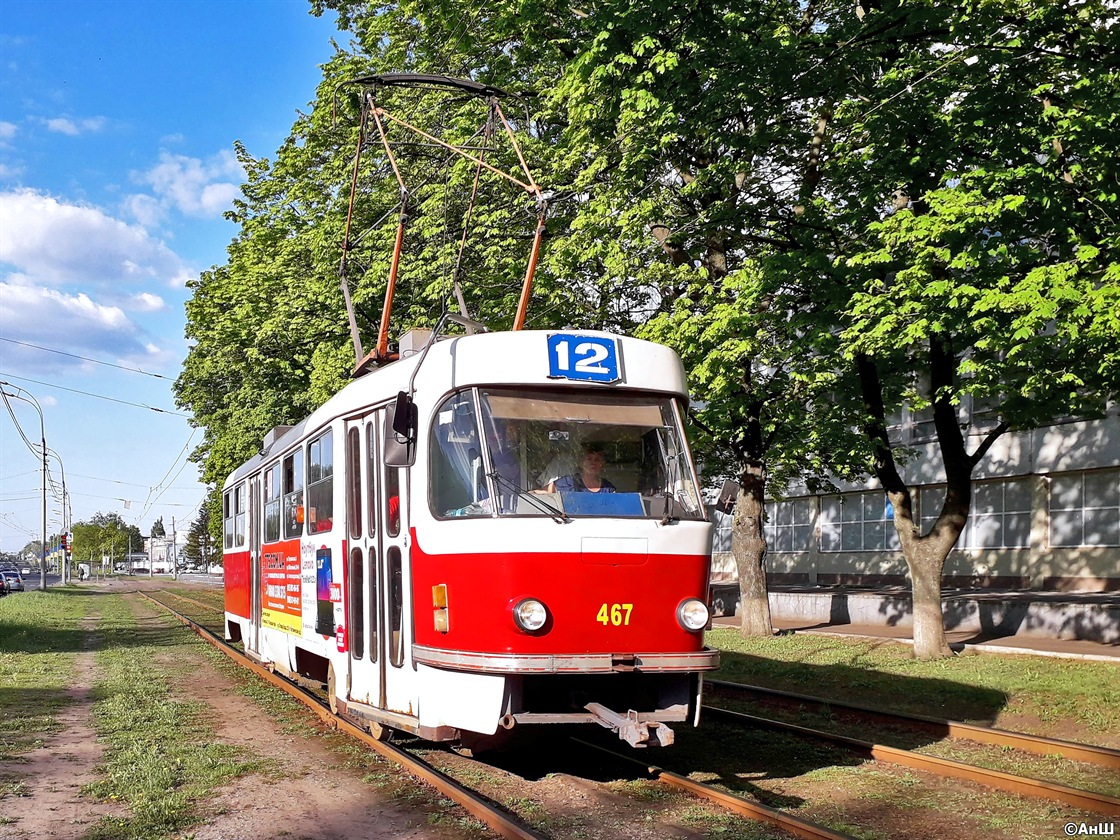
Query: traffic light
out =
(62, 542)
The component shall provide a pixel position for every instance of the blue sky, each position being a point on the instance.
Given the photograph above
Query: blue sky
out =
(117, 125)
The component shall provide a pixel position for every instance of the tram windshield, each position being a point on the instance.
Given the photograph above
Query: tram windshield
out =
(539, 452)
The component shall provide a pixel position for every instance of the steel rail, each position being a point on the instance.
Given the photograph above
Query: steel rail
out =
(1089, 753)
(744, 807)
(502, 823)
(191, 600)
(1086, 800)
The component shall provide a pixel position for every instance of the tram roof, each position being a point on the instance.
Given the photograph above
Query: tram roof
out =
(497, 358)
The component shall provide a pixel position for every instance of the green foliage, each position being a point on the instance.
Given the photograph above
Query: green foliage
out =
(104, 535)
(776, 189)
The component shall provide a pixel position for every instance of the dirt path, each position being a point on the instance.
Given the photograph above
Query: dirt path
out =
(308, 792)
(309, 796)
(51, 804)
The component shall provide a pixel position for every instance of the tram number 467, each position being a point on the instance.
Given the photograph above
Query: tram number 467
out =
(616, 614)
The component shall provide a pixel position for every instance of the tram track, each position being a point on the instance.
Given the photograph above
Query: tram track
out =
(748, 808)
(1023, 785)
(940, 727)
(477, 806)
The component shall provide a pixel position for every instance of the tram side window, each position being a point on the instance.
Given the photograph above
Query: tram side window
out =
(227, 519)
(293, 495)
(458, 486)
(320, 483)
(357, 605)
(239, 515)
(396, 608)
(272, 503)
(354, 482)
(372, 466)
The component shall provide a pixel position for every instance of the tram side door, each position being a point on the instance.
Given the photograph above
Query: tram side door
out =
(366, 683)
(253, 642)
(399, 678)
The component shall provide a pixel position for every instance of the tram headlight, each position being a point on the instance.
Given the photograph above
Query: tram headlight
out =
(530, 615)
(692, 614)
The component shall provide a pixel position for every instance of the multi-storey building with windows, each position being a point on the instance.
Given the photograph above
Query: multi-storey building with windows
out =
(1045, 514)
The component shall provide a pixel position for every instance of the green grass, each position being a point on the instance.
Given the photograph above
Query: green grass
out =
(39, 643)
(971, 687)
(161, 757)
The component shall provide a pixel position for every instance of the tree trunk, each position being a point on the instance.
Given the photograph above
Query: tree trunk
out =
(925, 559)
(748, 546)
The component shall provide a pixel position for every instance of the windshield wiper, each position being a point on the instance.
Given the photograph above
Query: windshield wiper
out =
(670, 509)
(540, 504)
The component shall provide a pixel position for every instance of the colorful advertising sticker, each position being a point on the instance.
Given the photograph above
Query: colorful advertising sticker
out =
(281, 590)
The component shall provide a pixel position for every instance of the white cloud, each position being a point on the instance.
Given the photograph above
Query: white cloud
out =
(145, 209)
(58, 244)
(194, 186)
(7, 131)
(148, 303)
(74, 127)
(39, 316)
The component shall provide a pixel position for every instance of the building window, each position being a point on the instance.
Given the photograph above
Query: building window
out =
(858, 522)
(1000, 515)
(721, 534)
(787, 526)
(1085, 509)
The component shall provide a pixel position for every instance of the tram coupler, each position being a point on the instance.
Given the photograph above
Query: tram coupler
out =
(632, 730)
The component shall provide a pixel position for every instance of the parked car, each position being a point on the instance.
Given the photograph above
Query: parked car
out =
(12, 580)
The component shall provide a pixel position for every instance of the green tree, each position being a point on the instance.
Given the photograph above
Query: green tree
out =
(158, 529)
(832, 210)
(105, 535)
(929, 185)
(199, 547)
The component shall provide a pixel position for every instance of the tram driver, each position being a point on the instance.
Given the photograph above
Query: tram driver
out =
(589, 477)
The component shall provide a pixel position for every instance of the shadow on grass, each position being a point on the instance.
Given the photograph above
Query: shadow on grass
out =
(860, 682)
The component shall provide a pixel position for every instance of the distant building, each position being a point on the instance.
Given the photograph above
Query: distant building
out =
(162, 552)
(1045, 515)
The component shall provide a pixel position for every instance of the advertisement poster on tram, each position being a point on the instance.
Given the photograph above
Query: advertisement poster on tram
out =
(281, 588)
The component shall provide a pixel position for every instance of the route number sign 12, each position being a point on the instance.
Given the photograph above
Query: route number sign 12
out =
(589, 358)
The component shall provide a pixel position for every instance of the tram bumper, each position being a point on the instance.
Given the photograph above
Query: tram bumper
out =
(631, 728)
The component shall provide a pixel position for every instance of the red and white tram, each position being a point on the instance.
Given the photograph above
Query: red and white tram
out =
(501, 530)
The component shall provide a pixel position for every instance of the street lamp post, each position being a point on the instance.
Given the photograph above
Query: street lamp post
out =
(64, 565)
(25, 396)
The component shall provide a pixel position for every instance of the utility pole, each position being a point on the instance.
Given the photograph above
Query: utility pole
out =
(174, 553)
(25, 396)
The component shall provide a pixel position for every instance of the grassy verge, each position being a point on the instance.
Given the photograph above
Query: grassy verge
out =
(39, 644)
(161, 758)
(1064, 698)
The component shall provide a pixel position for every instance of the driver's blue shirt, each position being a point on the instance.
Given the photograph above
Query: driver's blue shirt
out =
(574, 484)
